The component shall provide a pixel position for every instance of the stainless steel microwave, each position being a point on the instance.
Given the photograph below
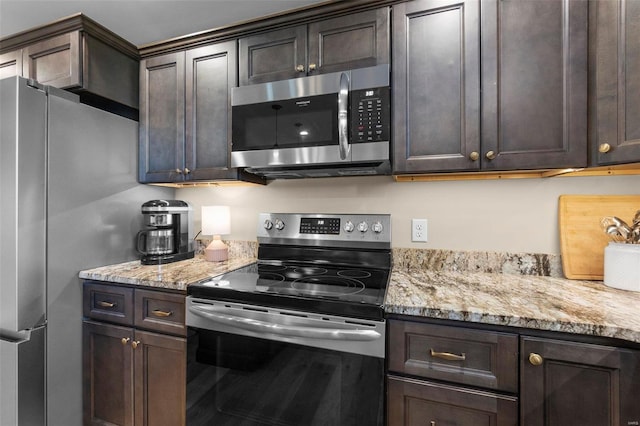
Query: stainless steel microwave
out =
(335, 124)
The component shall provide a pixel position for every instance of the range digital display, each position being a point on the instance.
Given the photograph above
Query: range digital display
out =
(313, 225)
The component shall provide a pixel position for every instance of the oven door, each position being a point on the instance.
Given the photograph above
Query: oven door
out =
(246, 366)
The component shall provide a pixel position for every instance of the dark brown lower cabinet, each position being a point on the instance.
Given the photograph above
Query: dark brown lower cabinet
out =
(160, 370)
(447, 374)
(421, 403)
(107, 374)
(578, 384)
(133, 377)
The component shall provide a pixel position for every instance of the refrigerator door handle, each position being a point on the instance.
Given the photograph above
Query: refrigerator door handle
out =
(15, 337)
(22, 378)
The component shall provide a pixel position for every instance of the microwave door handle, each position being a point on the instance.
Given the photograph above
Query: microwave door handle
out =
(343, 118)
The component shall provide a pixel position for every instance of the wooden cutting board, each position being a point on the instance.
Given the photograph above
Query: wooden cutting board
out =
(582, 240)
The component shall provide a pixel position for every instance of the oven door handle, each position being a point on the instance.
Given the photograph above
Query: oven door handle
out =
(285, 330)
(343, 116)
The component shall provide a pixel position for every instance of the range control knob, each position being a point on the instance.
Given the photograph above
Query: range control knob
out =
(279, 224)
(363, 227)
(349, 227)
(377, 227)
(268, 224)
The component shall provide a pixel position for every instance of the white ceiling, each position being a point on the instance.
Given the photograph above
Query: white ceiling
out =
(142, 21)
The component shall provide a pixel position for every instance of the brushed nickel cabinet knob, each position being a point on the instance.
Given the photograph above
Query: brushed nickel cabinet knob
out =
(604, 148)
(124, 340)
(186, 171)
(179, 171)
(490, 155)
(474, 156)
(135, 344)
(300, 68)
(312, 67)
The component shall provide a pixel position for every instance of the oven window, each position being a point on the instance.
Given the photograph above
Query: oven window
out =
(238, 380)
(293, 123)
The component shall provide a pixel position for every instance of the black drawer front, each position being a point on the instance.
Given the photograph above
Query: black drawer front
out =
(108, 303)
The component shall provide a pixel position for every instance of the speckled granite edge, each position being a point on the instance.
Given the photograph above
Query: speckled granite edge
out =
(543, 303)
(407, 259)
(172, 276)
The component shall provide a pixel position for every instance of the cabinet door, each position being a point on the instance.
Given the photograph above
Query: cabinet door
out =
(275, 55)
(436, 86)
(417, 403)
(575, 384)
(615, 81)
(107, 374)
(211, 73)
(56, 61)
(348, 42)
(534, 84)
(162, 105)
(160, 379)
(11, 64)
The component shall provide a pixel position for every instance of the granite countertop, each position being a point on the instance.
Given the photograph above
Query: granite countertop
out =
(537, 302)
(519, 290)
(172, 276)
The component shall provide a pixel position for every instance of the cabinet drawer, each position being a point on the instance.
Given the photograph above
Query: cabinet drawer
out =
(108, 303)
(413, 402)
(455, 354)
(160, 311)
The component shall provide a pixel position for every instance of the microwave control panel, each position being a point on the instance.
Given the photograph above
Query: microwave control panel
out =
(371, 115)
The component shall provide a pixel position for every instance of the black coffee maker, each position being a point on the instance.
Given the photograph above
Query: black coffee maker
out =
(169, 233)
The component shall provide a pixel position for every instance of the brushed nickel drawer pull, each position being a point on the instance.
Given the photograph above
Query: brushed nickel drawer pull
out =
(448, 356)
(107, 304)
(159, 313)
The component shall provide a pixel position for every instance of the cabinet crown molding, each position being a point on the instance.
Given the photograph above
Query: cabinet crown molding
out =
(76, 22)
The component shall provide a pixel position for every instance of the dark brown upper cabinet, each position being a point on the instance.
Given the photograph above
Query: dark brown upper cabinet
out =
(489, 86)
(568, 383)
(185, 116)
(534, 84)
(345, 42)
(436, 86)
(55, 61)
(79, 55)
(162, 124)
(614, 84)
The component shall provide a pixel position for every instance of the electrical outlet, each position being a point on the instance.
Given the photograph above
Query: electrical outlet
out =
(419, 230)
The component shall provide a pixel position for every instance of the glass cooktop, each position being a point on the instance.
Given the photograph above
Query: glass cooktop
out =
(331, 289)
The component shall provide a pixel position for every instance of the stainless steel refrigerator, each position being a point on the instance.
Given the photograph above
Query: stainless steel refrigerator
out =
(69, 200)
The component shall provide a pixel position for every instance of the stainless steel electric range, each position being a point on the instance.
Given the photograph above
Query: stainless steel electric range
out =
(297, 338)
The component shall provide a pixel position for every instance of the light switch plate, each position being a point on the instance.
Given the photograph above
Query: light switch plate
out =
(419, 230)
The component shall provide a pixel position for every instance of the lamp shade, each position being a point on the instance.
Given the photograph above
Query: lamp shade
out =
(216, 220)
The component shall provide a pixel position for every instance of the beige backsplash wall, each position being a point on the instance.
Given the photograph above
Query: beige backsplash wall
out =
(510, 215)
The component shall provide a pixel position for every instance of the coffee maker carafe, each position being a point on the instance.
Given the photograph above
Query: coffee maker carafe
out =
(169, 233)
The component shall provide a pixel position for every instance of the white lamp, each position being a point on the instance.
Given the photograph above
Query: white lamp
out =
(216, 221)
